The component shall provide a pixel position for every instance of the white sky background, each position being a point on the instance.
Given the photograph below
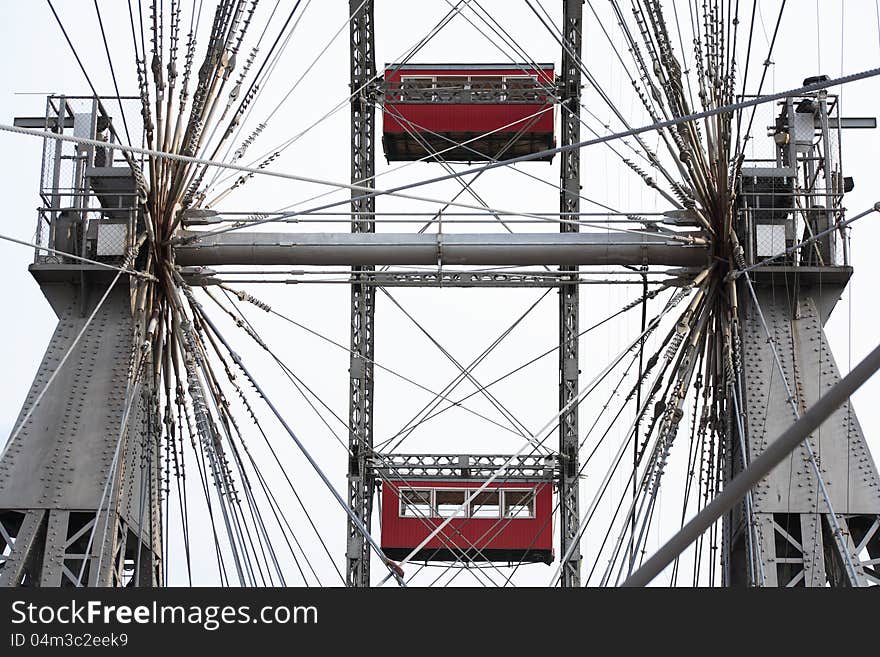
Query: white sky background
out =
(826, 37)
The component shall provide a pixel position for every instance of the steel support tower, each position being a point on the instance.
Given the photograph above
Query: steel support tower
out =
(361, 479)
(75, 483)
(80, 481)
(797, 542)
(802, 530)
(569, 206)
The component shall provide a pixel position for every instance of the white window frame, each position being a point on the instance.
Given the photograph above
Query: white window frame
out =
(434, 512)
(402, 504)
(533, 78)
(436, 81)
(430, 90)
(470, 513)
(449, 489)
(533, 505)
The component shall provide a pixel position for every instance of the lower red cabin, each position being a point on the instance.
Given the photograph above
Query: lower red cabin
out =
(467, 112)
(509, 521)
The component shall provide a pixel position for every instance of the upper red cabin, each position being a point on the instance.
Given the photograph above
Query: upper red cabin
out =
(509, 521)
(467, 112)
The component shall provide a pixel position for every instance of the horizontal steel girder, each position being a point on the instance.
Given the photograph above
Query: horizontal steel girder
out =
(454, 467)
(377, 249)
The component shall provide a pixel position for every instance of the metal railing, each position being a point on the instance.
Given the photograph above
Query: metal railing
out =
(464, 466)
(468, 93)
(792, 186)
(90, 198)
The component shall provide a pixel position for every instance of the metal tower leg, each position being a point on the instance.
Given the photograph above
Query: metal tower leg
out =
(361, 481)
(569, 203)
(795, 542)
(54, 521)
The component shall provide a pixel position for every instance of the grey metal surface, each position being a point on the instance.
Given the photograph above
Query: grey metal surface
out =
(22, 541)
(851, 122)
(61, 459)
(464, 279)
(361, 479)
(810, 532)
(795, 543)
(363, 249)
(569, 295)
(776, 452)
(73, 431)
(810, 369)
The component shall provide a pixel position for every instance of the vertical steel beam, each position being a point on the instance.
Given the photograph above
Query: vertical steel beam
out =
(569, 205)
(361, 481)
(24, 545)
(815, 510)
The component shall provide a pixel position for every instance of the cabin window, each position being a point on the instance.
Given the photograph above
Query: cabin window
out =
(447, 501)
(486, 88)
(521, 88)
(470, 89)
(486, 504)
(452, 88)
(519, 503)
(415, 502)
(417, 89)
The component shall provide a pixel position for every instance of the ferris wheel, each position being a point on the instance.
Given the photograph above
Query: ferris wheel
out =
(519, 294)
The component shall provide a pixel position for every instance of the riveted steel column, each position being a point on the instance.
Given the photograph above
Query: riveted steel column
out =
(797, 545)
(53, 507)
(569, 204)
(361, 482)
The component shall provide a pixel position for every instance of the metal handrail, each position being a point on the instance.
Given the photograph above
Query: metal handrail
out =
(468, 93)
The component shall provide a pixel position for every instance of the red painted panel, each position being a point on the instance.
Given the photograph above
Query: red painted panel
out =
(477, 118)
(464, 533)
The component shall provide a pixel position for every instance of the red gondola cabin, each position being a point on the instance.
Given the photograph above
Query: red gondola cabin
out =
(508, 521)
(467, 112)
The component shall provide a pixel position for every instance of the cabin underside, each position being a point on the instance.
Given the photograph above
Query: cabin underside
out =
(465, 146)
